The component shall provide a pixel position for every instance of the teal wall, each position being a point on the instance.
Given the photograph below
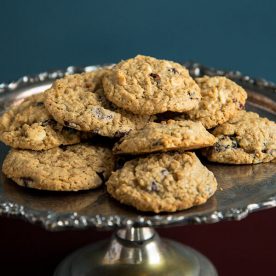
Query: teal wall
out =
(41, 35)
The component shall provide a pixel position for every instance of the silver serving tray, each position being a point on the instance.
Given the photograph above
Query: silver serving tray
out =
(242, 189)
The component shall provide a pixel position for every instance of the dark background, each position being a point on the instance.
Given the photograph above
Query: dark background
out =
(40, 35)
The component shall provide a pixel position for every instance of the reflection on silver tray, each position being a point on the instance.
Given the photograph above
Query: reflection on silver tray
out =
(242, 189)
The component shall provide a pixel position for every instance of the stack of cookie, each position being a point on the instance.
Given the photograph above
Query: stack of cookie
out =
(147, 107)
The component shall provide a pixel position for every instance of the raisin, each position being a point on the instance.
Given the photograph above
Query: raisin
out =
(241, 106)
(26, 181)
(156, 77)
(224, 144)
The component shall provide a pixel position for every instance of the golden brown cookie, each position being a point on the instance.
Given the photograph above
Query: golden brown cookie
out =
(30, 126)
(145, 85)
(70, 168)
(166, 136)
(162, 182)
(78, 101)
(245, 139)
(221, 100)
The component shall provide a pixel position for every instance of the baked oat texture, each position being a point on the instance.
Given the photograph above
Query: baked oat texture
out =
(165, 136)
(145, 85)
(162, 182)
(245, 139)
(221, 100)
(78, 101)
(70, 168)
(30, 126)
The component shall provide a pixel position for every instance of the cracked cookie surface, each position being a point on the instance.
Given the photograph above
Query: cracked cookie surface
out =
(245, 139)
(221, 100)
(165, 136)
(162, 182)
(69, 168)
(145, 85)
(78, 101)
(30, 126)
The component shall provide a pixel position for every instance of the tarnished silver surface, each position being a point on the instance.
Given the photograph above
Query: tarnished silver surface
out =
(136, 256)
(242, 189)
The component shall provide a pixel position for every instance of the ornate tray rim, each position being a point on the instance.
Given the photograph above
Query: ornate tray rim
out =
(54, 222)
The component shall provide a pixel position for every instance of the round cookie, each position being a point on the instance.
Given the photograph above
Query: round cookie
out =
(70, 168)
(221, 100)
(170, 135)
(30, 126)
(162, 182)
(245, 139)
(145, 85)
(78, 101)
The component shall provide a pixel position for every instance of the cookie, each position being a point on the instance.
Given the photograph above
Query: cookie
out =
(145, 85)
(221, 100)
(162, 182)
(170, 135)
(78, 101)
(70, 168)
(30, 126)
(245, 139)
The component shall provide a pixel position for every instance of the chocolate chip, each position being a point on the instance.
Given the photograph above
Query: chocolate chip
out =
(26, 181)
(173, 70)
(101, 175)
(39, 104)
(49, 122)
(156, 77)
(153, 187)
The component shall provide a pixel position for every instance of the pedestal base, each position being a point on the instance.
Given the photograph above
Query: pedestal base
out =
(149, 256)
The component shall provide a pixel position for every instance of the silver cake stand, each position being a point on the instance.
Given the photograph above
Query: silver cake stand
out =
(135, 248)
